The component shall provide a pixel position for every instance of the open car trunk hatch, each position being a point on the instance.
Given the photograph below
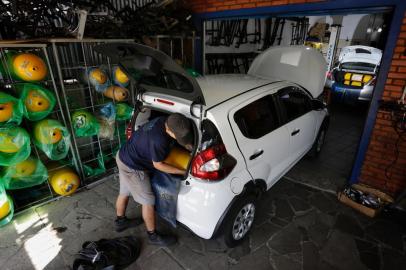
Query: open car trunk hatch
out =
(302, 65)
(153, 70)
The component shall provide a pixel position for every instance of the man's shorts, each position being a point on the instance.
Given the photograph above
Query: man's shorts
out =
(136, 183)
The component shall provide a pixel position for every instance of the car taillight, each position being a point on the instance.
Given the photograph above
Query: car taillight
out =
(372, 82)
(213, 163)
(329, 75)
(129, 130)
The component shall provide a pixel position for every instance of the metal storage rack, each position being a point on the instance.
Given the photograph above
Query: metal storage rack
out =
(177, 47)
(27, 197)
(67, 61)
(72, 59)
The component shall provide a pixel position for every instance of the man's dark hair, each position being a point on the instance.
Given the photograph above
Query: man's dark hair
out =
(180, 126)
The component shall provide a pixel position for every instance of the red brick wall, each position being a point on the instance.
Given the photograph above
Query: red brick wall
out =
(219, 5)
(381, 150)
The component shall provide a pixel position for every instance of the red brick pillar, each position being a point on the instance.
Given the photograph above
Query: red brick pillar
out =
(380, 168)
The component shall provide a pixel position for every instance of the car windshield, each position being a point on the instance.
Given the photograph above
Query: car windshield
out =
(359, 66)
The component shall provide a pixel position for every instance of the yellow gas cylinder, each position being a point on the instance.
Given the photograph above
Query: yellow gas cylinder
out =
(117, 93)
(178, 158)
(4, 209)
(6, 111)
(64, 181)
(35, 101)
(29, 67)
(46, 133)
(120, 76)
(97, 76)
(24, 168)
(8, 143)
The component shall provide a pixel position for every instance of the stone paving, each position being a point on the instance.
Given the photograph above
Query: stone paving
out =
(296, 228)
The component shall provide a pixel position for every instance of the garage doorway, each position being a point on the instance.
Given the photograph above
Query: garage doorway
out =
(344, 40)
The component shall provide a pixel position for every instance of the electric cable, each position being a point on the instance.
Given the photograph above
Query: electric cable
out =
(399, 127)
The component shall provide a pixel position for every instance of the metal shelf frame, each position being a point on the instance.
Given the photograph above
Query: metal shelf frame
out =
(7, 84)
(73, 58)
(68, 61)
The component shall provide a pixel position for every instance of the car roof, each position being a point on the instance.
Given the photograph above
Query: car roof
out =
(219, 88)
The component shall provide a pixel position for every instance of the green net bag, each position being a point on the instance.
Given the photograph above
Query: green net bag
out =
(85, 124)
(98, 169)
(38, 102)
(14, 145)
(6, 207)
(123, 111)
(121, 130)
(52, 138)
(193, 72)
(11, 110)
(27, 67)
(27, 173)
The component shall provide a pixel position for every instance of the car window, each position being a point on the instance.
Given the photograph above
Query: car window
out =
(358, 66)
(294, 103)
(169, 80)
(257, 118)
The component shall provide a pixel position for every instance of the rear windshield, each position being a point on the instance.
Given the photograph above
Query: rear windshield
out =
(359, 66)
(169, 80)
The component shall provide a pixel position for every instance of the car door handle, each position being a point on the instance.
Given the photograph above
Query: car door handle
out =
(296, 131)
(257, 154)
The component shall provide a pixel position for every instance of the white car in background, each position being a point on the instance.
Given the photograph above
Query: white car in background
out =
(353, 78)
(250, 129)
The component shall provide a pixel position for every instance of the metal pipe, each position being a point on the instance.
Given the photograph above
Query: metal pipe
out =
(78, 165)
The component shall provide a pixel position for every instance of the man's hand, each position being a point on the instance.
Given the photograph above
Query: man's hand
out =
(166, 168)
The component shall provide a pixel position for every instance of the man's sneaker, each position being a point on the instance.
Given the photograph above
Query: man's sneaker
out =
(124, 223)
(161, 240)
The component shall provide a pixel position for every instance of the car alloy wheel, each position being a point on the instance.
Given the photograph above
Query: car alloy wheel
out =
(243, 221)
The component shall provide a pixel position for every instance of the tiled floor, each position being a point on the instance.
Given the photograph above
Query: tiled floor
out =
(332, 168)
(296, 227)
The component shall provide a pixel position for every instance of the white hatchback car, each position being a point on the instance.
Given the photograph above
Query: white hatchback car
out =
(249, 129)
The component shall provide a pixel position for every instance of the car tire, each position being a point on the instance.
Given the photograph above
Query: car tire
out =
(319, 142)
(239, 220)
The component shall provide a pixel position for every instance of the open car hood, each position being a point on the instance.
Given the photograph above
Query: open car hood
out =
(302, 65)
(153, 70)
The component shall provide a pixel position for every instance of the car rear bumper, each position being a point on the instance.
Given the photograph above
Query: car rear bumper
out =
(201, 205)
(344, 93)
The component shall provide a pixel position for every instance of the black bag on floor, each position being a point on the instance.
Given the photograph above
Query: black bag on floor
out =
(107, 254)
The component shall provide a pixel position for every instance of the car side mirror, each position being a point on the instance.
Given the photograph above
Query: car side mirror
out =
(318, 105)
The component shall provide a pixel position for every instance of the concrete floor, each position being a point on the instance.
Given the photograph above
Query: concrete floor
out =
(296, 227)
(331, 170)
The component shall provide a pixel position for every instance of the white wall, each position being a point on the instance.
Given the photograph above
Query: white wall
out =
(353, 26)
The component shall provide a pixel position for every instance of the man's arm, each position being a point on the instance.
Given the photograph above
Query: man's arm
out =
(166, 168)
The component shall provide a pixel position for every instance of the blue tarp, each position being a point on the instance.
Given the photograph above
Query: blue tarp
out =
(166, 189)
